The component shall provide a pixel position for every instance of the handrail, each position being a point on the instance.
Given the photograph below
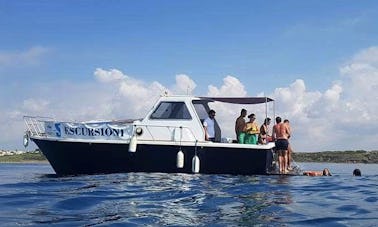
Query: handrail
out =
(36, 127)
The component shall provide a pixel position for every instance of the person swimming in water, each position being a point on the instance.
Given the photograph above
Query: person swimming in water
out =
(357, 172)
(311, 173)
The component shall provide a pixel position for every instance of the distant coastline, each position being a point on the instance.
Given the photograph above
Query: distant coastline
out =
(358, 156)
(21, 156)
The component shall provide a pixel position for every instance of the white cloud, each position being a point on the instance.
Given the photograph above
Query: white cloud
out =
(368, 55)
(134, 97)
(361, 85)
(35, 106)
(332, 95)
(139, 97)
(225, 115)
(336, 118)
(184, 84)
(361, 74)
(231, 87)
(109, 76)
(31, 56)
(295, 100)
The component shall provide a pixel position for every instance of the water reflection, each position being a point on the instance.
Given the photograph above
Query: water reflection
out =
(165, 199)
(197, 199)
(155, 199)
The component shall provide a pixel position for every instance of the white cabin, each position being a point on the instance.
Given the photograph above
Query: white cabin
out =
(175, 118)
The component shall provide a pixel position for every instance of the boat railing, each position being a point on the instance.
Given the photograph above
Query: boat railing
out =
(36, 125)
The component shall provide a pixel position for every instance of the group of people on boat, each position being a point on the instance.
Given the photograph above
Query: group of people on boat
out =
(249, 132)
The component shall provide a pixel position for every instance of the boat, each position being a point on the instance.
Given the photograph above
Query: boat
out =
(169, 139)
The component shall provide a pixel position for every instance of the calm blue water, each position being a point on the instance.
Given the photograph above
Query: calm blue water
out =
(31, 195)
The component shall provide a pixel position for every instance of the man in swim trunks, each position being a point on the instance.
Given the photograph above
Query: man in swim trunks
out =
(239, 126)
(281, 133)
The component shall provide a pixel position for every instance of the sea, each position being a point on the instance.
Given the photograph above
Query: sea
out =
(32, 195)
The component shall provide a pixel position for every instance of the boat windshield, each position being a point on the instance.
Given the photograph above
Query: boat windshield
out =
(201, 110)
(171, 110)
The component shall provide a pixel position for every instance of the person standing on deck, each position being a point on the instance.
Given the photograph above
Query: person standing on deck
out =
(281, 133)
(239, 126)
(289, 149)
(264, 136)
(209, 126)
(251, 130)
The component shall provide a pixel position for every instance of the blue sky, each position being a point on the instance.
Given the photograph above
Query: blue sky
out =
(50, 50)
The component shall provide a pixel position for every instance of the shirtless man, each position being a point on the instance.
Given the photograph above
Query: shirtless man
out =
(281, 134)
(325, 172)
(239, 126)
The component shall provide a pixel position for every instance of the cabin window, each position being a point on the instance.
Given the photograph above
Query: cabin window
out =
(171, 110)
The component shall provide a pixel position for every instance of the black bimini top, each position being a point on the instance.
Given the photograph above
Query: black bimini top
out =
(239, 100)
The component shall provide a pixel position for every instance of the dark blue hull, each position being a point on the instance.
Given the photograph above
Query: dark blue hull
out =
(71, 158)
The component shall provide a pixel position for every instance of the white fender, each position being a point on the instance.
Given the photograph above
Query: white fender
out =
(195, 164)
(133, 144)
(26, 139)
(180, 159)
